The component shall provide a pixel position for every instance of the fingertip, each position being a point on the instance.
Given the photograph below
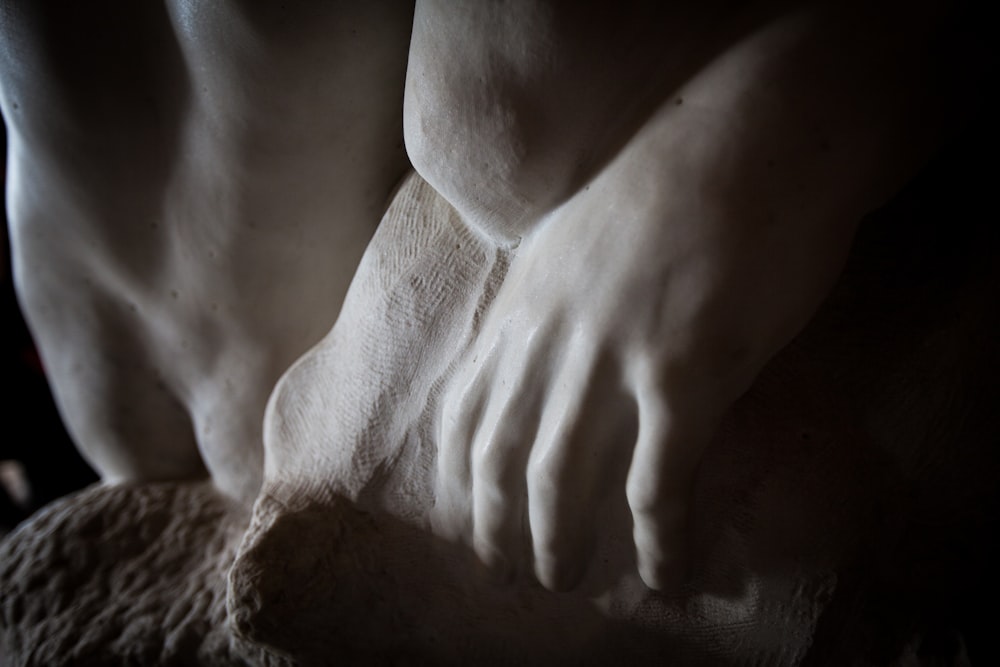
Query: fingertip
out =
(498, 499)
(559, 575)
(664, 574)
(498, 567)
(662, 559)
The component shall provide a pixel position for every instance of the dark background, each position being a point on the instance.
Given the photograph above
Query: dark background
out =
(32, 432)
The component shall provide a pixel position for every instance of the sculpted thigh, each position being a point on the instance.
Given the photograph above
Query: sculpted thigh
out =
(512, 108)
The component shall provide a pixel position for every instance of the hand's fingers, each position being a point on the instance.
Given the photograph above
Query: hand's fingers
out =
(461, 414)
(500, 457)
(659, 486)
(569, 462)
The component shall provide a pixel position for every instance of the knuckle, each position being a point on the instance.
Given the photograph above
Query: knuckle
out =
(485, 464)
(543, 478)
(494, 498)
(493, 461)
(643, 497)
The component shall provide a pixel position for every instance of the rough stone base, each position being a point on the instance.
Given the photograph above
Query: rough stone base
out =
(124, 575)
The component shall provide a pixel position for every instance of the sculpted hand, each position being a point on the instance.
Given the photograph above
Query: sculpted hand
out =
(628, 323)
(640, 309)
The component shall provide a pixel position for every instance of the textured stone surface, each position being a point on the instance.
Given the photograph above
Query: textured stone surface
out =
(130, 574)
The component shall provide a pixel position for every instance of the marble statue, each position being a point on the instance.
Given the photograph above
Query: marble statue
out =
(487, 333)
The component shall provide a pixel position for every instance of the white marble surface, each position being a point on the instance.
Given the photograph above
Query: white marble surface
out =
(579, 376)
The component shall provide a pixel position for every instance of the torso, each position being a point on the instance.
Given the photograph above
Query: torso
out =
(191, 188)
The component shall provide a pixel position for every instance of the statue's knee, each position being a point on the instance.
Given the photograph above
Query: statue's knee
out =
(471, 138)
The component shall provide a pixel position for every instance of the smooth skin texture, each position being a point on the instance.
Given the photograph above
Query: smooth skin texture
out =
(646, 298)
(191, 187)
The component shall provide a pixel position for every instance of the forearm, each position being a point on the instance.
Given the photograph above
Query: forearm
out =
(760, 168)
(823, 112)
